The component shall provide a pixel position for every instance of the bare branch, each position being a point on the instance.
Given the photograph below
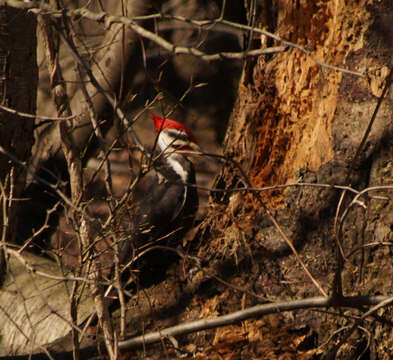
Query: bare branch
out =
(258, 310)
(131, 22)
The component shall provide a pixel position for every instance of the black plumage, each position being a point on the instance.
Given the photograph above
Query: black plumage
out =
(169, 204)
(166, 209)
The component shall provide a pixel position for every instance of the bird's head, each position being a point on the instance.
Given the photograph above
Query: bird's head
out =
(174, 136)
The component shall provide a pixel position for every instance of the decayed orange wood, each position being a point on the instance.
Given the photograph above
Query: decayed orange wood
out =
(288, 108)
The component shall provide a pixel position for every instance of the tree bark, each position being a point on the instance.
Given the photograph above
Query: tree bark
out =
(18, 89)
(297, 121)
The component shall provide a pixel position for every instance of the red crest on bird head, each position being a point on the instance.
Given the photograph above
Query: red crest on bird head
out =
(176, 130)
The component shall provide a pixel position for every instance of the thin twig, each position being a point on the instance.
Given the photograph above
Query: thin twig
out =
(103, 147)
(38, 178)
(74, 320)
(43, 227)
(28, 339)
(111, 100)
(33, 270)
(32, 116)
(380, 304)
(389, 80)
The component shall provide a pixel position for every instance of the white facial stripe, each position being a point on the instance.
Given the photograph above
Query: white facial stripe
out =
(177, 168)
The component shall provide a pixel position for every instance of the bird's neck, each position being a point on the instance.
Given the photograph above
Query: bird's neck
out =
(180, 167)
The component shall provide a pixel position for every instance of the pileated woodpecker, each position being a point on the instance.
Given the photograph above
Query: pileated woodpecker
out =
(169, 205)
(167, 208)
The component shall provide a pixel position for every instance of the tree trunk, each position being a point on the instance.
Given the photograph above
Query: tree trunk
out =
(297, 121)
(18, 89)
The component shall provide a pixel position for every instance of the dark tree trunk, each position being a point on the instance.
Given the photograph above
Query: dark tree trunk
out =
(18, 89)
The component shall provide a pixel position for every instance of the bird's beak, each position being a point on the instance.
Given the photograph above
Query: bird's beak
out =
(194, 146)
